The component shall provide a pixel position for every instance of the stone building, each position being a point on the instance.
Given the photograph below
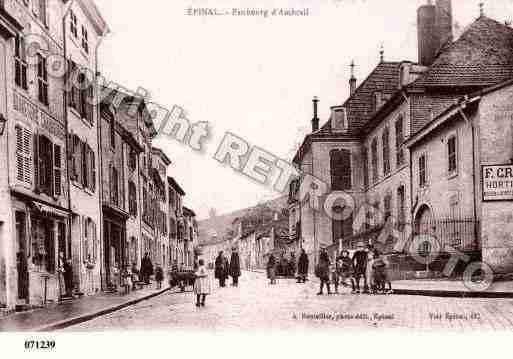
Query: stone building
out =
(190, 235)
(360, 159)
(34, 221)
(176, 232)
(83, 28)
(159, 164)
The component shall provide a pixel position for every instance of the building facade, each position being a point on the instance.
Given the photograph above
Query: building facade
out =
(360, 156)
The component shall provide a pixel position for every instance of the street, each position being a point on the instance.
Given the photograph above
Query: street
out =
(256, 305)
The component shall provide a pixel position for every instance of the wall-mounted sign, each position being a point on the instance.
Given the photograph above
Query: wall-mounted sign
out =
(497, 182)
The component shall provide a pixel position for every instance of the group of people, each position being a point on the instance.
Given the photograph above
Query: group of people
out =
(288, 268)
(225, 269)
(132, 275)
(367, 263)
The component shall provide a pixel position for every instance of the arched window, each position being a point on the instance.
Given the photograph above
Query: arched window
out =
(341, 179)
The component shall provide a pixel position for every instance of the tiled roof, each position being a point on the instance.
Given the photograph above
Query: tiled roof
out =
(360, 106)
(426, 107)
(482, 56)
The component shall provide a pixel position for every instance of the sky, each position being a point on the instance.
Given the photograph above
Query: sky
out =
(255, 76)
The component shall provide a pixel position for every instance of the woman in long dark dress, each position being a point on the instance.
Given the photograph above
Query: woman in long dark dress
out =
(302, 267)
(221, 269)
(271, 269)
(235, 268)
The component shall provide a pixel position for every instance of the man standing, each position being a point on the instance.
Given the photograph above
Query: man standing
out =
(221, 269)
(271, 269)
(235, 267)
(302, 267)
(360, 259)
(68, 277)
(323, 271)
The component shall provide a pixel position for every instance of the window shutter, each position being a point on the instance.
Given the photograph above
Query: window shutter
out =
(83, 156)
(57, 155)
(95, 242)
(37, 174)
(20, 160)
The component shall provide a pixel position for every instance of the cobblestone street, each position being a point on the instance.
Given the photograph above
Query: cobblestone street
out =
(256, 305)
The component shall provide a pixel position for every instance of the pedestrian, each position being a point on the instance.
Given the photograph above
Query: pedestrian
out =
(127, 279)
(334, 270)
(135, 275)
(292, 265)
(302, 267)
(380, 268)
(271, 269)
(360, 266)
(345, 265)
(371, 286)
(322, 271)
(68, 277)
(202, 285)
(159, 276)
(235, 267)
(146, 268)
(221, 269)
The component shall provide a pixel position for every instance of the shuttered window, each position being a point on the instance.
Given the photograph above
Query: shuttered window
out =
(132, 198)
(374, 154)
(84, 160)
(85, 39)
(341, 174)
(23, 155)
(73, 23)
(45, 166)
(399, 139)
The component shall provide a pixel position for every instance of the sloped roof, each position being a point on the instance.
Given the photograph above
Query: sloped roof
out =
(360, 106)
(482, 56)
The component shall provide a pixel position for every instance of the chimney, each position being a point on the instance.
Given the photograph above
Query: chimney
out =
(434, 25)
(352, 80)
(427, 42)
(443, 23)
(315, 119)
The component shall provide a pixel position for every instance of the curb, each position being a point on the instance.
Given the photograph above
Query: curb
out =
(89, 316)
(453, 294)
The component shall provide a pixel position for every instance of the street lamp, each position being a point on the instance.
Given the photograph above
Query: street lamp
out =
(3, 121)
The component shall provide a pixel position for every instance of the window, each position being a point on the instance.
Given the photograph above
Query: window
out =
(114, 186)
(374, 154)
(85, 165)
(85, 39)
(42, 79)
(20, 63)
(81, 93)
(43, 243)
(452, 155)
(132, 198)
(73, 24)
(132, 162)
(43, 14)
(340, 170)
(90, 241)
(365, 156)
(386, 152)
(112, 132)
(399, 139)
(23, 155)
(387, 203)
(172, 200)
(401, 200)
(44, 166)
(422, 171)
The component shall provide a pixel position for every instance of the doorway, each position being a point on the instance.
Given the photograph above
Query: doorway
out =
(22, 256)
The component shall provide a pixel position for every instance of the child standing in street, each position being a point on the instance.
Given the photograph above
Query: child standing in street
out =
(127, 279)
(201, 284)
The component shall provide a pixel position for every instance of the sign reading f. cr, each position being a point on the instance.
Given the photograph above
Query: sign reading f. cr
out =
(497, 183)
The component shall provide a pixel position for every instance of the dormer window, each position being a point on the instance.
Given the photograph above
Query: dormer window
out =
(339, 120)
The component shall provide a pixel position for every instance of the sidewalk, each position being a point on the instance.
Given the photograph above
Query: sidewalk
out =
(59, 316)
(445, 288)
